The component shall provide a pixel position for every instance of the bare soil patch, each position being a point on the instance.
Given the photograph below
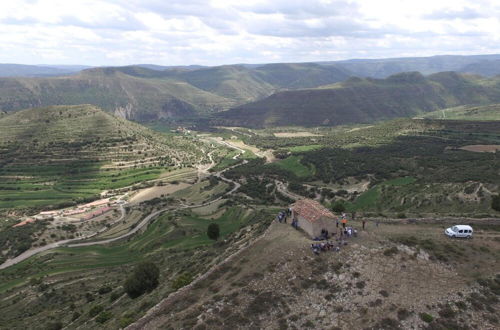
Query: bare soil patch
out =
(295, 134)
(482, 148)
(157, 191)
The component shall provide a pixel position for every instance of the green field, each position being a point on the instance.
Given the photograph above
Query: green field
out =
(294, 165)
(370, 198)
(37, 186)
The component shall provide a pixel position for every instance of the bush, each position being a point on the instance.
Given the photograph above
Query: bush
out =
(338, 207)
(391, 251)
(115, 295)
(213, 231)
(495, 202)
(104, 290)
(182, 280)
(54, 326)
(447, 312)
(103, 317)
(125, 321)
(384, 293)
(143, 279)
(403, 314)
(426, 317)
(95, 310)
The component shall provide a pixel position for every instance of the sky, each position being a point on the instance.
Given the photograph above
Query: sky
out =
(215, 32)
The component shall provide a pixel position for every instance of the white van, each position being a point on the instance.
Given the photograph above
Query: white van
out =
(459, 231)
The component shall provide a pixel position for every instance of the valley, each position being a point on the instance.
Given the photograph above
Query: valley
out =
(86, 195)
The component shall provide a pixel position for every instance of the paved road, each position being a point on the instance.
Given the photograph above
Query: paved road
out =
(139, 226)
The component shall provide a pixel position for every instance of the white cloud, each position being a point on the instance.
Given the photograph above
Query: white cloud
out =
(174, 32)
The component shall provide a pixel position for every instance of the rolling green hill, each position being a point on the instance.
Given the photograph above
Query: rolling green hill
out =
(231, 81)
(467, 112)
(64, 153)
(303, 75)
(143, 94)
(364, 100)
(132, 97)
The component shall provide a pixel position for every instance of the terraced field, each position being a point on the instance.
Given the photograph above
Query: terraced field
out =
(79, 153)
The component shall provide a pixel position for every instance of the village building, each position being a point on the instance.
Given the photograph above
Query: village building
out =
(312, 217)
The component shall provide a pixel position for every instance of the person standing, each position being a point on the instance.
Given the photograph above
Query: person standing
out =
(364, 222)
(344, 222)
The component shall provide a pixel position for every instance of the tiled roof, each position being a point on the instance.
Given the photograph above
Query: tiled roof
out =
(311, 210)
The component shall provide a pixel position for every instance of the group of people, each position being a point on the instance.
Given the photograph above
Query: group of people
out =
(283, 215)
(317, 248)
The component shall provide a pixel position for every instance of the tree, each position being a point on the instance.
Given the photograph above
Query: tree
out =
(143, 279)
(213, 231)
(338, 207)
(495, 202)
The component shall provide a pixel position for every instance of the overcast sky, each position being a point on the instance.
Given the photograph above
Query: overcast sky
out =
(181, 32)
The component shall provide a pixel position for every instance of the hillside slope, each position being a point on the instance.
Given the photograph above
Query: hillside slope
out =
(467, 112)
(145, 94)
(386, 278)
(363, 100)
(133, 97)
(54, 154)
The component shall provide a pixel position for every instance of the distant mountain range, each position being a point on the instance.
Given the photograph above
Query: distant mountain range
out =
(143, 94)
(147, 92)
(364, 100)
(20, 70)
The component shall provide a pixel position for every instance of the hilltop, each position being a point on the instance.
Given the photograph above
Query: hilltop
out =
(389, 277)
(365, 100)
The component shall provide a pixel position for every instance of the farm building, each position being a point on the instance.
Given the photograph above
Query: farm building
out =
(312, 217)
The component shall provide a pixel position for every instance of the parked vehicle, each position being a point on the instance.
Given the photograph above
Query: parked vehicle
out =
(459, 231)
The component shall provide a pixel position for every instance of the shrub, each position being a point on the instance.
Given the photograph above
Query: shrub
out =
(75, 316)
(54, 326)
(384, 293)
(338, 207)
(103, 317)
(143, 279)
(95, 310)
(447, 312)
(426, 317)
(391, 251)
(115, 295)
(104, 290)
(213, 231)
(182, 280)
(125, 321)
(403, 314)
(495, 202)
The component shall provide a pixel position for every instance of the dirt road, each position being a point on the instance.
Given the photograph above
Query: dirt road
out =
(144, 222)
